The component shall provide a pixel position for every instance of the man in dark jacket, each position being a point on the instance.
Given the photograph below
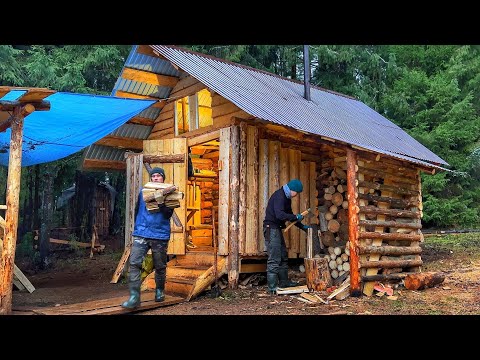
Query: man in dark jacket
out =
(279, 210)
(151, 231)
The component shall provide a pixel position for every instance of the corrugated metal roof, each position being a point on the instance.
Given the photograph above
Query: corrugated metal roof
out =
(106, 153)
(280, 100)
(140, 62)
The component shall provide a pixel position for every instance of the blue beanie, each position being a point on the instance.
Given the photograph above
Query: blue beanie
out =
(158, 170)
(295, 185)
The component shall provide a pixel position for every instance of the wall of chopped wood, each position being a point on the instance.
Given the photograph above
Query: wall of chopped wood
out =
(390, 210)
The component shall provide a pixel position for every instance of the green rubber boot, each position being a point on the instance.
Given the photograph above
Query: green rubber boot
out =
(284, 282)
(272, 283)
(134, 300)
(159, 295)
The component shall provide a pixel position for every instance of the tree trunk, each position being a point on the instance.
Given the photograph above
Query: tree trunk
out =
(47, 213)
(7, 255)
(317, 274)
(36, 199)
(420, 281)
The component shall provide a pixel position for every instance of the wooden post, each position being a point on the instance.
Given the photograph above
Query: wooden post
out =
(223, 191)
(233, 264)
(263, 175)
(11, 214)
(251, 223)
(242, 200)
(132, 189)
(353, 222)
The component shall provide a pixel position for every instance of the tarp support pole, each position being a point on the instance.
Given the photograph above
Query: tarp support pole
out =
(11, 215)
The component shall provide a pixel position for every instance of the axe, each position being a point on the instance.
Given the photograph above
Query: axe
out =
(303, 213)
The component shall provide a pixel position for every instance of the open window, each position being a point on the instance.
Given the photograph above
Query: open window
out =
(193, 112)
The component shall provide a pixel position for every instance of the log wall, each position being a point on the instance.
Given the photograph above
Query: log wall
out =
(269, 164)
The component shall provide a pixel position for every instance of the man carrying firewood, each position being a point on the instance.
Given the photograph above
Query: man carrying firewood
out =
(151, 231)
(279, 210)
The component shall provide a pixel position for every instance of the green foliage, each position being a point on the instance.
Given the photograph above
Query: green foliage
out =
(431, 91)
(25, 248)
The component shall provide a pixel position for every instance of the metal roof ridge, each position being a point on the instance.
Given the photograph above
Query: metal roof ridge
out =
(257, 70)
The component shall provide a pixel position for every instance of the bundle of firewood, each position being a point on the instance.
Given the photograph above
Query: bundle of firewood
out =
(155, 194)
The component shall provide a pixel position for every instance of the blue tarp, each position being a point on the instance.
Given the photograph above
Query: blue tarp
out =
(73, 122)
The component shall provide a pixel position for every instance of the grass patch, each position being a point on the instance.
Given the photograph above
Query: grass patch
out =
(456, 242)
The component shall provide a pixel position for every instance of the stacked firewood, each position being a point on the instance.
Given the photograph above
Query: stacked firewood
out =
(333, 216)
(338, 258)
(155, 194)
(333, 211)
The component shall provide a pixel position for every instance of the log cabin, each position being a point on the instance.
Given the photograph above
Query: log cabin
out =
(247, 132)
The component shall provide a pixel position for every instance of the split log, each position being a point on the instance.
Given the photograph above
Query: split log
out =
(317, 274)
(420, 281)
(342, 216)
(328, 238)
(333, 226)
(343, 232)
(333, 209)
(337, 199)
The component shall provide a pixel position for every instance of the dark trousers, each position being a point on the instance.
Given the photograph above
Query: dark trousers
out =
(159, 254)
(276, 250)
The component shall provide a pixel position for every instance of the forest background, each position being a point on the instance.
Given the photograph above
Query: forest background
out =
(432, 92)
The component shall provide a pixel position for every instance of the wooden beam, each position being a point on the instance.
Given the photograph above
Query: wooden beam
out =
(23, 279)
(96, 164)
(124, 94)
(121, 142)
(4, 90)
(176, 158)
(11, 214)
(11, 105)
(141, 121)
(146, 50)
(390, 236)
(121, 264)
(389, 264)
(149, 77)
(203, 138)
(35, 95)
(389, 250)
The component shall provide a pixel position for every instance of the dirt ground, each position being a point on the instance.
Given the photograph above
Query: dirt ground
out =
(74, 277)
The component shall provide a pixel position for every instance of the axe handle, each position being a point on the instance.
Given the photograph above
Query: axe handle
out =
(303, 213)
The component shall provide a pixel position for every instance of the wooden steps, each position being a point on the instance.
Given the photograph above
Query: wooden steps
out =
(179, 286)
(190, 274)
(108, 306)
(194, 258)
